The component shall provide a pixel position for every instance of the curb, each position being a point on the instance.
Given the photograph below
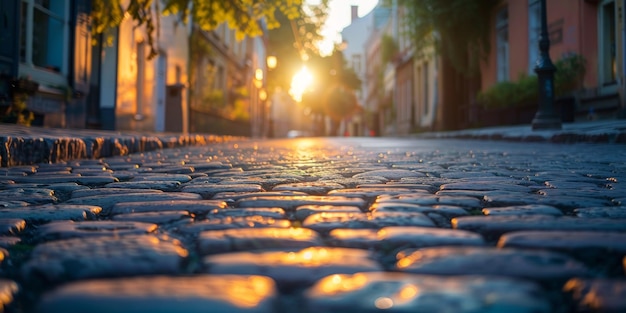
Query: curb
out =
(20, 145)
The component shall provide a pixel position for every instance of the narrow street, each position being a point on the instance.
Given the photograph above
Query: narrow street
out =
(320, 225)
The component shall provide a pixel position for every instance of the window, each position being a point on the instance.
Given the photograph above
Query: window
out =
(502, 44)
(607, 37)
(43, 34)
(534, 30)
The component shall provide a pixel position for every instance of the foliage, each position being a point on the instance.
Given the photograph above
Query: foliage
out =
(388, 48)
(336, 83)
(458, 29)
(296, 43)
(244, 16)
(570, 71)
(18, 113)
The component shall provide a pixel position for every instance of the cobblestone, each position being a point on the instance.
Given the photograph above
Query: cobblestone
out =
(315, 225)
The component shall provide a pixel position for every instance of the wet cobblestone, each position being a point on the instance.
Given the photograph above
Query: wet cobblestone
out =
(318, 225)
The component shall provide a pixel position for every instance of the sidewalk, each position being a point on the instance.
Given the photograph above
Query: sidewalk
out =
(606, 131)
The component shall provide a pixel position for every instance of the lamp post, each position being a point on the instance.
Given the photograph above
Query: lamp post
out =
(545, 118)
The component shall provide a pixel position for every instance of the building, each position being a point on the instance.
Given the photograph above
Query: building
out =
(151, 91)
(45, 58)
(410, 79)
(594, 30)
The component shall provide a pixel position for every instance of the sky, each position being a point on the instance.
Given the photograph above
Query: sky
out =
(339, 17)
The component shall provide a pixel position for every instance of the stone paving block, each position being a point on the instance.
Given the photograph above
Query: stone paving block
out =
(202, 293)
(73, 178)
(485, 186)
(9, 241)
(29, 195)
(599, 193)
(3, 254)
(608, 212)
(493, 226)
(234, 222)
(398, 292)
(8, 291)
(70, 229)
(448, 211)
(181, 178)
(396, 238)
(232, 197)
(57, 188)
(198, 207)
(597, 295)
(12, 204)
(52, 212)
(11, 226)
(465, 175)
(290, 203)
(109, 191)
(566, 241)
(499, 199)
(390, 174)
(537, 265)
(155, 184)
(106, 202)
(293, 269)
(324, 222)
(375, 192)
(319, 188)
(351, 182)
(249, 239)
(400, 185)
(95, 257)
(573, 202)
(159, 218)
(464, 202)
(174, 170)
(241, 212)
(304, 211)
(209, 190)
(598, 249)
(478, 194)
(524, 210)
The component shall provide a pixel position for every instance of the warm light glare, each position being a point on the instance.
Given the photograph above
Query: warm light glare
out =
(258, 74)
(272, 62)
(383, 303)
(262, 94)
(300, 82)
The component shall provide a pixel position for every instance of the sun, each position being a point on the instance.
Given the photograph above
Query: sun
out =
(300, 82)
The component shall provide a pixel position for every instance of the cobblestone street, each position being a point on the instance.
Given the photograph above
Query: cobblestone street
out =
(320, 225)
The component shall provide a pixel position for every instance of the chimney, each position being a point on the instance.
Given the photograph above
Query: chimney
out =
(355, 13)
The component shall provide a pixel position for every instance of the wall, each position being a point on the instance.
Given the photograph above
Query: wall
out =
(572, 27)
(140, 96)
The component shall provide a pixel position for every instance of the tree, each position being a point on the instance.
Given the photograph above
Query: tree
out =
(296, 42)
(333, 92)
(243, 16)
(458, 29)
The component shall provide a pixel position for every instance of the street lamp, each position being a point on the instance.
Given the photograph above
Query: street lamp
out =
(272, 61)
(546, 118)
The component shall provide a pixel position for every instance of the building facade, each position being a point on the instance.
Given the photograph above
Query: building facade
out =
(593, 30)
(45, 59)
